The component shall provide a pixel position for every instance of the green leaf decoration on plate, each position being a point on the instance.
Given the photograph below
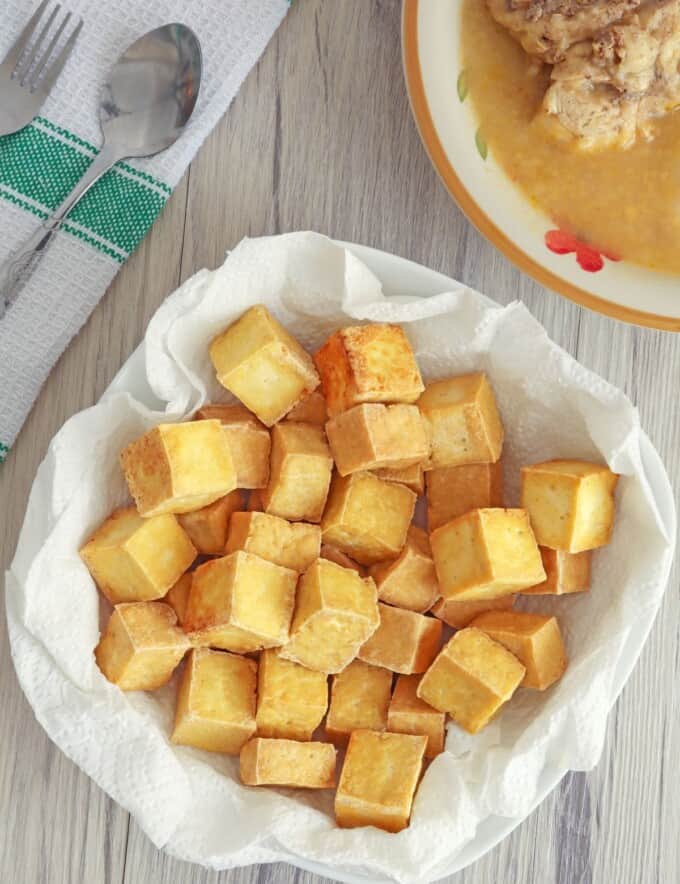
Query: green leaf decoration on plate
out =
(482, 146)
(463, 86)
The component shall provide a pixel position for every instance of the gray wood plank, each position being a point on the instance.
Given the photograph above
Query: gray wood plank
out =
(321, 137)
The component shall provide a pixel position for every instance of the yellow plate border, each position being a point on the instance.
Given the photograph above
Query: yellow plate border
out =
(450, 179)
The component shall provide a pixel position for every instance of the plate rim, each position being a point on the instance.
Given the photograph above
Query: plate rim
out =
(129, 376)
(438, 157)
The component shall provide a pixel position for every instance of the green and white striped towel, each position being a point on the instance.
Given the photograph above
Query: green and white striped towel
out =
(41, 164)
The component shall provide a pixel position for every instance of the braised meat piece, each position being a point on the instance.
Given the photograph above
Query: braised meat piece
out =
(608, 90)
(547, 28)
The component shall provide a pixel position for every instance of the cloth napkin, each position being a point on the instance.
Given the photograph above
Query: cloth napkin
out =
(42, 163)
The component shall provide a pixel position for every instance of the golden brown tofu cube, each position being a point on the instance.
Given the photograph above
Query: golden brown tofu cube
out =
(486, 554)
(291, 699)
(263, 365)
(471, 679)
(404, 642)
(178, 596)
(570, 503)
(301, 467)
(310, 410)
(367, 518)
(255, 504)
(379, 779)
(408, 714)
(360, 697)
(413, 477)
(535, 640)
(178, 468)
(454, 491)
(267, 762)
(216, 702)
(460, 614)
(333, 554)
(207, 527)
(410, 581)
(241, 603)
(248, 439)
(372, 436)
(566, 572)
(290, 544)
(367, 363)
(463, 421)
(132, 559)
(335, 612)
(141, 647)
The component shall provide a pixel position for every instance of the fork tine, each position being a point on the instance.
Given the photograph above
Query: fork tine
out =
(35, 74)
(17, 50)
(54, 69)
(29, 57)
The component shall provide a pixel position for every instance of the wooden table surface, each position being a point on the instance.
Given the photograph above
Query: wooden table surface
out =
(321, 137)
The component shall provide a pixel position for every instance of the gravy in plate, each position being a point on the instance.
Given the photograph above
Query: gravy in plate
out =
(624, 203)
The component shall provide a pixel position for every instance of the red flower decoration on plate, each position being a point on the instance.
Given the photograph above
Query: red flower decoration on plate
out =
(589, 258)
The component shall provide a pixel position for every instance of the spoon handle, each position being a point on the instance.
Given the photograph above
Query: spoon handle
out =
(17, 268)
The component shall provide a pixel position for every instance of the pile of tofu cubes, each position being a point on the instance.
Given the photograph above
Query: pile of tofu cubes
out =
(272, 543)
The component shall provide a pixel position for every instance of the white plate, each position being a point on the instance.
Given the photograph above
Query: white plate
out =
(448, 127)
(401, 277)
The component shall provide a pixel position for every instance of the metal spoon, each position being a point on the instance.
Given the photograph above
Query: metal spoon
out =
(145, 104)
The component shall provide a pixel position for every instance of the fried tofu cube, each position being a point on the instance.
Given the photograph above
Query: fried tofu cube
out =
(471, 679)
(535, 640)
(132, 559)
(460, 614)
(178, 596)
(403, 642)
(141, 647)
(207, 527)
(360, 697)
(263, 365)
(301, 467)
(408, 714)
(486, 554)
(267, 762)
(333, 554)
(379, 779)
(255, 504)
(566, 572)
(463, 421)
(570, 503)
(310, 410)
(291, 699)
(248, 439)
(216, 702)
(454, 491)
(367, 518)
(292, 545)
(413, 477)
(410, 580)
(372, 436)
(241, 603)
(178, 468)
(367, 363)
(335, 612)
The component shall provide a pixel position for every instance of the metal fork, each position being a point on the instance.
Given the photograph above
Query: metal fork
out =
(26, 74)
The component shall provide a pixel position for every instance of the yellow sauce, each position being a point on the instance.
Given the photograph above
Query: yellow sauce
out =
(626, 203)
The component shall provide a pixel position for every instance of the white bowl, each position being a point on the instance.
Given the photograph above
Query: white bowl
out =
(431, 43)
(399, 278)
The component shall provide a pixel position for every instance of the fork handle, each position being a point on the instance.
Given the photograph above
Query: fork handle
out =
(17, 268)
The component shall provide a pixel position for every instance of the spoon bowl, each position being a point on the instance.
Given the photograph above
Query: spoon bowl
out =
(151, 91)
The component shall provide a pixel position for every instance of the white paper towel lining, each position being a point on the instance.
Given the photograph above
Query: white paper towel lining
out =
(191, 802)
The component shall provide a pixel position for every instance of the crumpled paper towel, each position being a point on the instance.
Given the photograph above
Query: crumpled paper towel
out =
(192, 802)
